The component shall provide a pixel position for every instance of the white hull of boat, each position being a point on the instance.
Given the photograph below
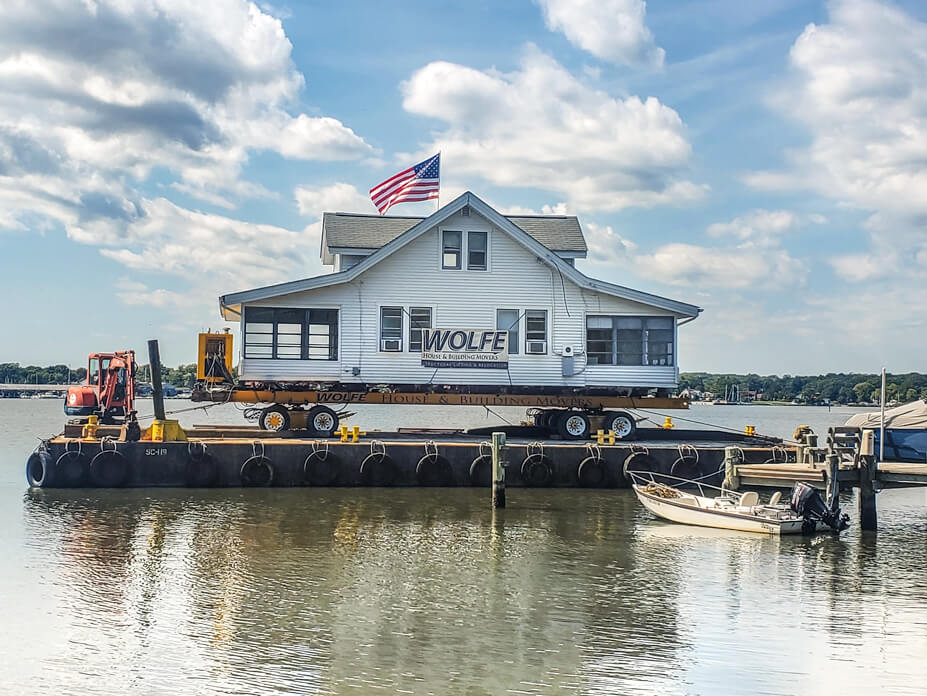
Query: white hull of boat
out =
(691, 509)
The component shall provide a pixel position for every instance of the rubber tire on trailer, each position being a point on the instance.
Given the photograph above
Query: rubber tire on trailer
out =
(201, 471)
(321, 470)
(378, 469)
(71, 470)
(250, 478)
(39, 470)
(685, 467)
(536, 471)
(271, 413)
(109, 469)
(569, 419)
(481, 471)
(325, 416)
(592, 473)
(542, 420)
(433, 470)
(626, 425)
(639, 461)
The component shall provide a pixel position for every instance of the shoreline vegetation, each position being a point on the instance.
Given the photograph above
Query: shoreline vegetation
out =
(832, 388)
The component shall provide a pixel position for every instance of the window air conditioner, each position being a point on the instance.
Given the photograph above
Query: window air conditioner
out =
(536, 347)
(389, 344)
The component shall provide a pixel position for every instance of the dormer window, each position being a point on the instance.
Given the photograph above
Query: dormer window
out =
(451, 249)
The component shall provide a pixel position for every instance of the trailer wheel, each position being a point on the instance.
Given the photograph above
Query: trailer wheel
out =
(573, 425)
(621, 423)
(274, 418)
(322, 420)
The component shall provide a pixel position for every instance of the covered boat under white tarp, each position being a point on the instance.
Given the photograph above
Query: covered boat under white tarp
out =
(905, 430)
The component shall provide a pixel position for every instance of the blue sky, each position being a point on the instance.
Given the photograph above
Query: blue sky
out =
(766, 161)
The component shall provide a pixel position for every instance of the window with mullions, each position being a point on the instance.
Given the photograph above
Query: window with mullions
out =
(450, 249)
(322, 334)
(536, 331)
(391, 329)
(291, 334)
(507, 320)
(419, 318)
(629, 340)
(476, 251)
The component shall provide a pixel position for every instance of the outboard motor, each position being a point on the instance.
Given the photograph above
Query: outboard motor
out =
(808, 503)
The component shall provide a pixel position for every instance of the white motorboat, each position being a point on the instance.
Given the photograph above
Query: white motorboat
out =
(805, 514)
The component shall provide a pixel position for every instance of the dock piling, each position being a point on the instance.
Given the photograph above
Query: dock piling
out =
(498, 470)
(154, 365)
(733, 456)
(868, 517)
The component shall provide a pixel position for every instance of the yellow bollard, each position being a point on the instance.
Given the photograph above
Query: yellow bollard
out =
(601, 437)
(750, 430)
(344, 433)
(355, 433)
(89, 431)
(668, 424)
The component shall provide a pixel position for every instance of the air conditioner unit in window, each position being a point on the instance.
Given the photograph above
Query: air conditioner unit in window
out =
(390, 344)
(536, 347)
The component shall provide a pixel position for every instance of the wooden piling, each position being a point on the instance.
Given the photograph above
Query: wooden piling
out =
(498, 470)
(732, 457)
(867, 467)
(833, 482)
(157, 393)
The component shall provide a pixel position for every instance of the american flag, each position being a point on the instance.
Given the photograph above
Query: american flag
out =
(419, 182)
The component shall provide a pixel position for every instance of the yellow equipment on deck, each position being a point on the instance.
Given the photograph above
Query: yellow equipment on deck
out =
(214, 357)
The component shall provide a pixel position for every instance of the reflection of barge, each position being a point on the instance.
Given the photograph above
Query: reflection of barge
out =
(466, 302)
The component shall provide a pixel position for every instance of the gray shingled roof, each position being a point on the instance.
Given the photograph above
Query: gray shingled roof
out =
(356, 231)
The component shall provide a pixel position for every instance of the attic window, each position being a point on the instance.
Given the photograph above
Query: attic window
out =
(450, 249)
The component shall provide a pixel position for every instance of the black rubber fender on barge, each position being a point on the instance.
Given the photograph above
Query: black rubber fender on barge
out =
(257, 471)
(320, 468)
(40, 469)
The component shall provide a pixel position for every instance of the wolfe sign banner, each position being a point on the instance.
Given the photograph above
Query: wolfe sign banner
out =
(465, 348)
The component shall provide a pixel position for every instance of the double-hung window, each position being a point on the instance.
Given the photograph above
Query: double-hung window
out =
(507, 320)
(419, 318)
(391, 329)
(451, 241)
(291, 334)
(536, 331)
(630, 340)
(476, 251)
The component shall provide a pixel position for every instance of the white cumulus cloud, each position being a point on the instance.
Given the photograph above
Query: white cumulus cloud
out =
(613, 30)
(859, 87)
(540, 127)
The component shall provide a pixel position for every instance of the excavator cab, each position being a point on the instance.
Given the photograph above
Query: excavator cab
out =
(108, 391)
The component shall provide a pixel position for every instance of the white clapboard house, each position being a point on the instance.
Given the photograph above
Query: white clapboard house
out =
(420, 303)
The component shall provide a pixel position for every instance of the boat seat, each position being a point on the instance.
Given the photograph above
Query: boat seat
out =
(775, 498)
(749, 499)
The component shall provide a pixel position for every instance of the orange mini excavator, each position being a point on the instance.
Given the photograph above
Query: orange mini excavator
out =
(108, 391)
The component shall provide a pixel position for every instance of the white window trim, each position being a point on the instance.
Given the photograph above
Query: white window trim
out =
(464, 228)
(595, 366)
(402, 328)
(272, 305)
(434, 321)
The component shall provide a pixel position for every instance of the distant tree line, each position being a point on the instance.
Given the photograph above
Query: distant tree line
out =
(14, 373)
(842, 388)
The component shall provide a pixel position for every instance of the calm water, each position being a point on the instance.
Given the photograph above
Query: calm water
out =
(426, 591)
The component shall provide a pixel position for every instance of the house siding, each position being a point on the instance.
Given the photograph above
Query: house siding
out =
(413, 277)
